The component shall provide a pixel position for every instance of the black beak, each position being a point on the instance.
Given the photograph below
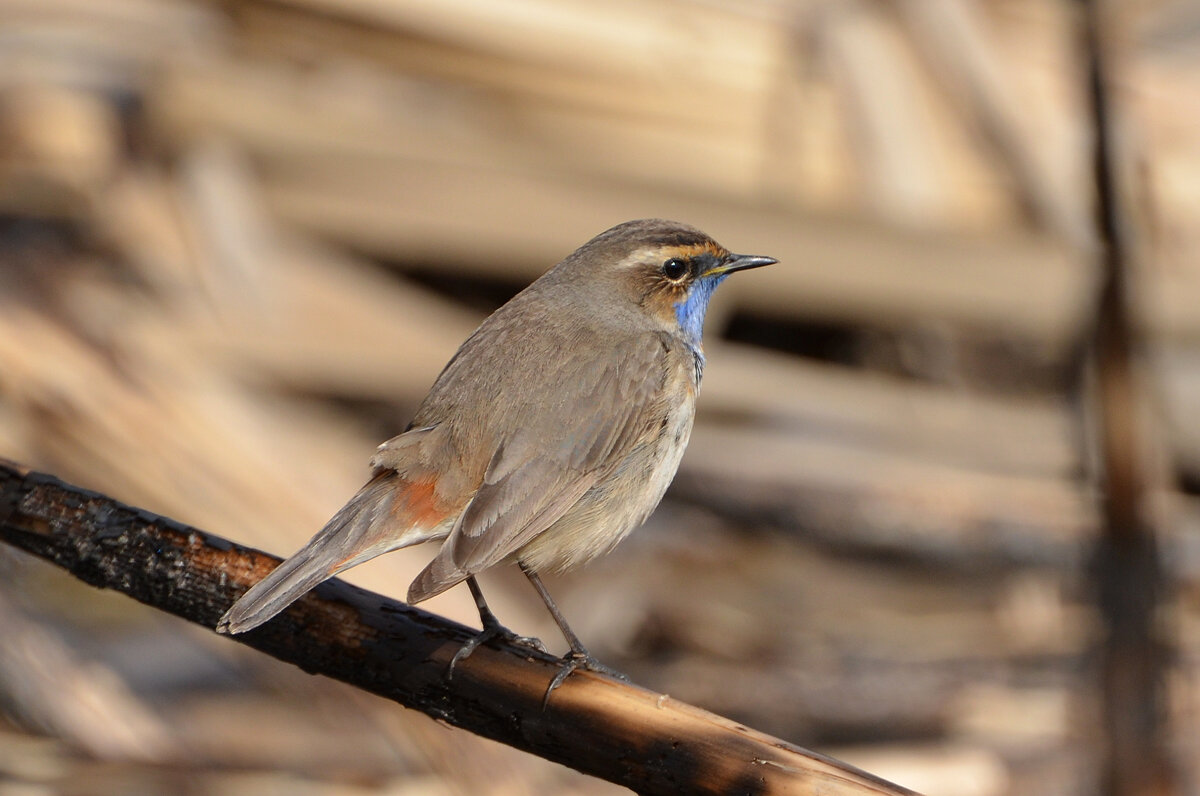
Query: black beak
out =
(743, 262)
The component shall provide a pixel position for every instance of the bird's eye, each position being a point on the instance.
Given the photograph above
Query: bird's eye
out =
(675, 269)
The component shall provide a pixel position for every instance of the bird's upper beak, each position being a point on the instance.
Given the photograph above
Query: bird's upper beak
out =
(740, 262)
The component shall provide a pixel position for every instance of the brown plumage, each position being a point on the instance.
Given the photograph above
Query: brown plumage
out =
(551, 434)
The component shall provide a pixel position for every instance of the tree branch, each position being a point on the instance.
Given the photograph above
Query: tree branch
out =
(600, 726)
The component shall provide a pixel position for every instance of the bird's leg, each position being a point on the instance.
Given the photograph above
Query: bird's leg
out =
(486, 617)
(578, 657)
(491, 629)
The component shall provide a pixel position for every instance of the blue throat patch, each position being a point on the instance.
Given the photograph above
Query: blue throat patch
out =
(690, 312)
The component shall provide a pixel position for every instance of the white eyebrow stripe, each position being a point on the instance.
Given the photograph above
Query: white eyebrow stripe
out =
(640, 257)
(650, 254)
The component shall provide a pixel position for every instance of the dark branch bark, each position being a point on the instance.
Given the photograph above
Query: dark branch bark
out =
(595, 724)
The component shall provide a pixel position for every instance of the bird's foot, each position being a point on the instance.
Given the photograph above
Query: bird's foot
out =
(573, 661)
(491, 632)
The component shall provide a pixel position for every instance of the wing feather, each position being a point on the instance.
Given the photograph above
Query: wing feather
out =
(539, 470)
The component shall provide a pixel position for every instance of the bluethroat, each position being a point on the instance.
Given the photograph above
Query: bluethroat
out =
(552, 433)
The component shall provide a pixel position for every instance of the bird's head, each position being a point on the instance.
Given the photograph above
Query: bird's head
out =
(668, 269)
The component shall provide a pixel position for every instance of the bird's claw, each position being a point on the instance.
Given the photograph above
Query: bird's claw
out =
(573, 661)
(490, 633)
(531, 642)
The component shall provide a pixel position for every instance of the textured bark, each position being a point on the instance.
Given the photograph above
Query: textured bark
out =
(614, 730)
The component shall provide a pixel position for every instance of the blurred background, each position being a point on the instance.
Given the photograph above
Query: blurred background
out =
(239, 238)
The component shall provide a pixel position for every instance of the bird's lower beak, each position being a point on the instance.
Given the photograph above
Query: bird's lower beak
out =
(741, 262)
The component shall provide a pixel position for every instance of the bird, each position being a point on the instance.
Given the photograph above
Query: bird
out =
(552, 433)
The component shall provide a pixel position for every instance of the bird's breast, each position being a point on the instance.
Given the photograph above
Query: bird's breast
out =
(630, 489)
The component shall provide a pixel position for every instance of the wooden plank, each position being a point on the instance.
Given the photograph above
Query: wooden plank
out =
(831, 269)
(859, 498)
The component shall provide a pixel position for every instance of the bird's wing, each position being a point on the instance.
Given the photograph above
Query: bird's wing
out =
(542, 469)
(398, 507)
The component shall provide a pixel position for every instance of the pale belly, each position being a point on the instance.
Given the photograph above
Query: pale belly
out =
(615, 506)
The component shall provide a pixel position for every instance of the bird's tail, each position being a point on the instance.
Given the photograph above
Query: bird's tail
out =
(380, 518)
